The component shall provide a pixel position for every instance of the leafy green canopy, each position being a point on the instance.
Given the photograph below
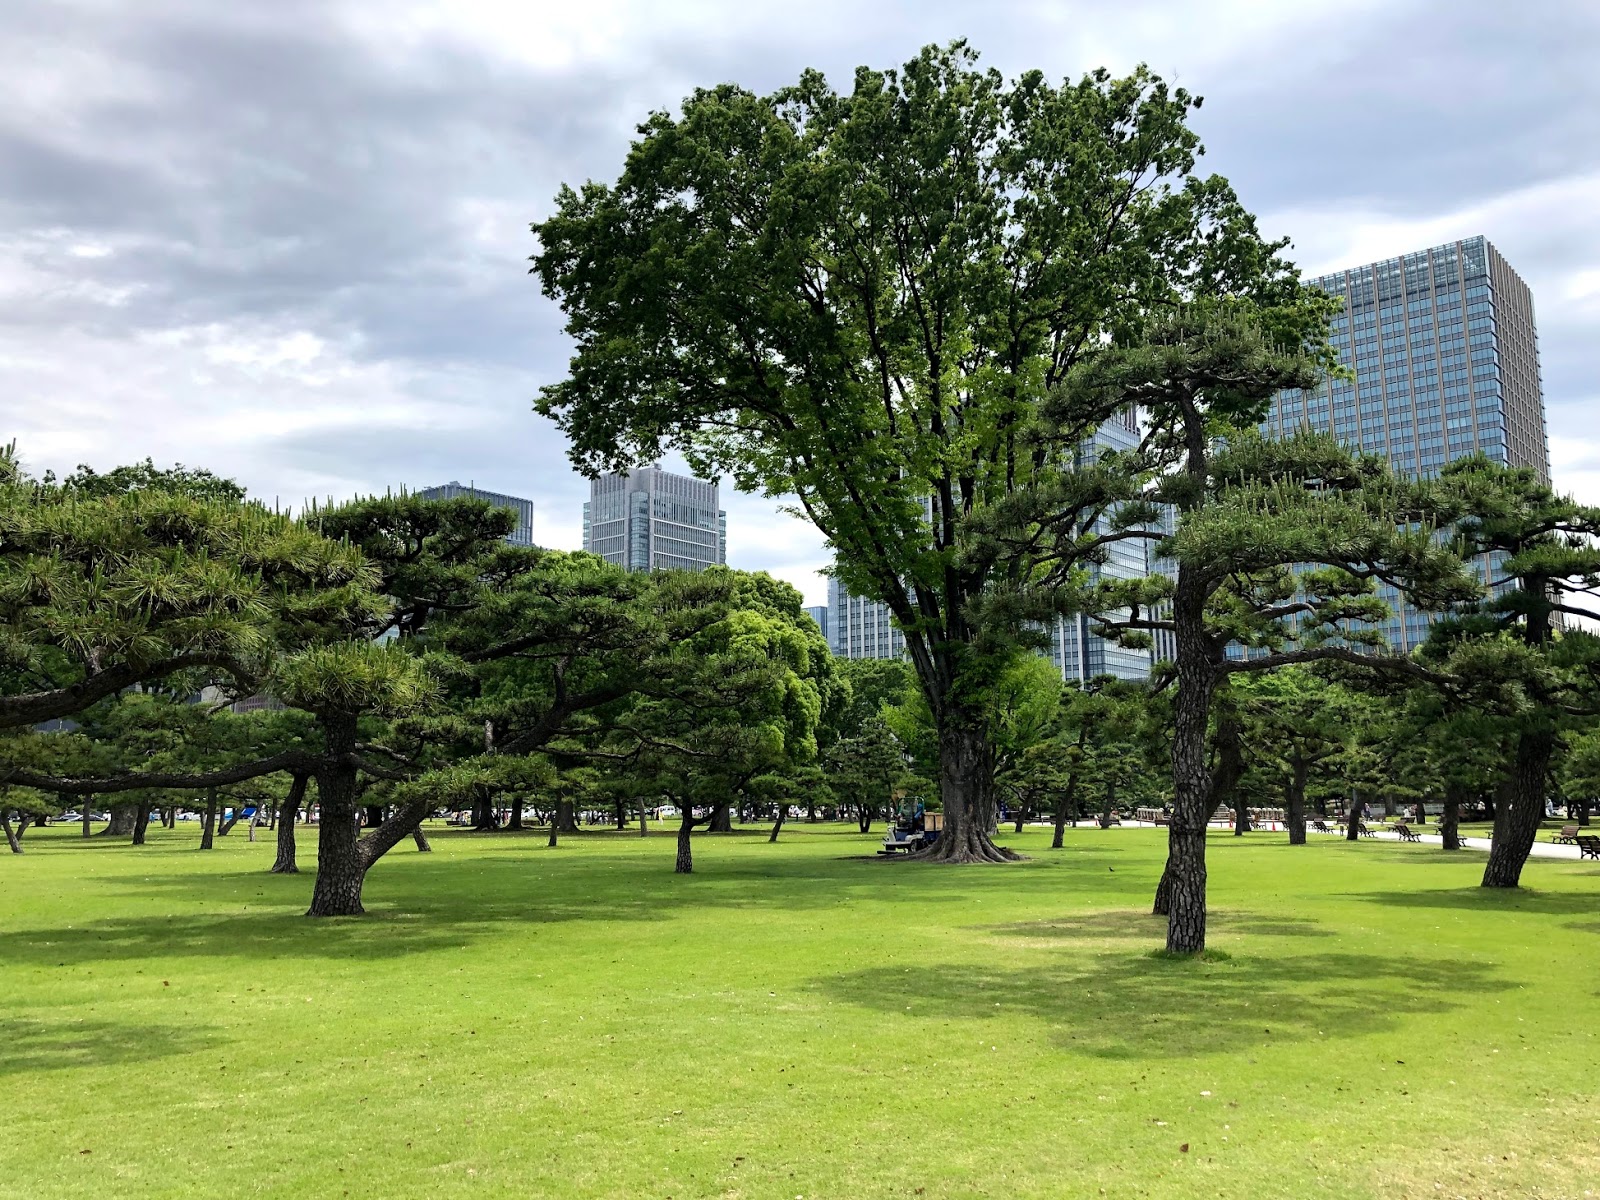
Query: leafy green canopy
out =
(859, 299)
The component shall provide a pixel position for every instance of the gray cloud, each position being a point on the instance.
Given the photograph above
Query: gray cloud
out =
(289, 240)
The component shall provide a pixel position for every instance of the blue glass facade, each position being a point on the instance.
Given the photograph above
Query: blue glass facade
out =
(1444, 355)
(522, 535)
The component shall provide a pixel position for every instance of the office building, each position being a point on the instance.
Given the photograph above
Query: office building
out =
(522, 535)
(1445, 357)
(652, 520)
(819, 614)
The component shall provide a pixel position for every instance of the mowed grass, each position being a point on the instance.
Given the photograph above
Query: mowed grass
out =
(793, 1021)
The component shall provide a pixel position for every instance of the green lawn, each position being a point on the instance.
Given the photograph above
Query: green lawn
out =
(792, 1021)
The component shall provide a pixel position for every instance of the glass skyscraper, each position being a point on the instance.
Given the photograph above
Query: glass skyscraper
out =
(650, 519)
(522, 535)
(1445, 358)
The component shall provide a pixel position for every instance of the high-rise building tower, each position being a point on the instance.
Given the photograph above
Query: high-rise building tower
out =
(522, 535)
(819, 614)
(1445, 356)
(650, 519)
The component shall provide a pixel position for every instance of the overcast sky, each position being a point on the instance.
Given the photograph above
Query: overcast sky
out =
(288, 240)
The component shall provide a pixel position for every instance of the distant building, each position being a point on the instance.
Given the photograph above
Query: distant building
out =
(862, 628)
(652, 520)
(522, 535)
(1445, 357)
(819, 614)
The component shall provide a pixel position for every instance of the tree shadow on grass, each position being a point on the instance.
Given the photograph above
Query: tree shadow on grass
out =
(1117, 1007)
(1487, 900)
(27, 1046)
(1119, 924)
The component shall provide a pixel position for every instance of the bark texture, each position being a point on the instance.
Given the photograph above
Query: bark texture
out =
(288, 813)
(123, 818)
(208, 826)
(1517, 817)
(966, 787)
(1450, 820)
(141, 822)
(1299, 772)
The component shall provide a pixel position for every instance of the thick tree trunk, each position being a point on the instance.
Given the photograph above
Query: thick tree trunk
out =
(1450, 820)
(208, 826)
(1300, 770)
(340, 869)
(1068, 803)
(1352, 823)
(565, 817)
(685, 860)
(1583, 813)
(288, 812)
(123, 817)
(229, 822)
(1185, 876)
(483, 811)
(1162, 906)
(1516, 822)
(622, 817)
(720, 820)
(1020, 817)
(421, 841)
(864, 815)
(15, 842)
(373, 815)
(141, 822)
(966, 787)
(514, 814)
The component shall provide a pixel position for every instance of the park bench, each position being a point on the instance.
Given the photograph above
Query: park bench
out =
(1320, 825)
(1565, 837)
(1361, 828)
(1588, 845)
(1405, 832)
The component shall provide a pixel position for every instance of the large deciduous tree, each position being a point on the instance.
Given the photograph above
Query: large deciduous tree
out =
(859, 299)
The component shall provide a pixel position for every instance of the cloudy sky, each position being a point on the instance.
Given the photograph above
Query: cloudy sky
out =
(288, 241)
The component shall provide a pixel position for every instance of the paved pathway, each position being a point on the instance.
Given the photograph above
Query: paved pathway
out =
(1543, 848)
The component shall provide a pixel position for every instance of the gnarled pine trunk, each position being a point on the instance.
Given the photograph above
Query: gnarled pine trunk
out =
(141, 822)
(1450, 820)
(1517, 817)
(685, 860)
(1299, 771)
(123, 818)
(208, 826)
(340, 869)
(288, 812)
(1184, 879)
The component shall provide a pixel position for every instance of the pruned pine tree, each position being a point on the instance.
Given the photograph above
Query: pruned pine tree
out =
(1277, 546)
(1541, 553)
(102, 590)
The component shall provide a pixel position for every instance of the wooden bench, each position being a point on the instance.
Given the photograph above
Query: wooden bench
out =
(1566, 836)
(1588, 845)
(1361, 828)
(1404, 830)
(1320, 825)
